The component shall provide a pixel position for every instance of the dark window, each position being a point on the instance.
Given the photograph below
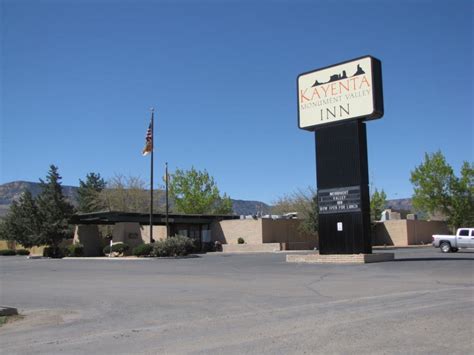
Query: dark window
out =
(464, 232)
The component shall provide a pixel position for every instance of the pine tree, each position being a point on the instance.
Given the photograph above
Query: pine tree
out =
(54, 211)
(22, 223)
(88, 193)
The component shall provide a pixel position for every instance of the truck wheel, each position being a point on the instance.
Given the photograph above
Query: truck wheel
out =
(445, 247)
(454, 250)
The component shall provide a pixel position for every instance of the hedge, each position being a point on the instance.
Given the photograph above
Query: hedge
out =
(174, 246)
(22, 252)
(119, 248)
(75, 250)
(7, 252)
(143, 250)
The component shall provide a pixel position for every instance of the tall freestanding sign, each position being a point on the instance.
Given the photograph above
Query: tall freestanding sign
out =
(334, 102)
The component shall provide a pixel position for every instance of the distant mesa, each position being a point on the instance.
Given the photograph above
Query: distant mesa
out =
(337, 77)
(12, 191)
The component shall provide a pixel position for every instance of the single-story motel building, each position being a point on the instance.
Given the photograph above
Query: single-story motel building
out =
(259, 234)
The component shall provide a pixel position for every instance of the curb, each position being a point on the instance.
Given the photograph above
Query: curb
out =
(392, 247)
(130, 258)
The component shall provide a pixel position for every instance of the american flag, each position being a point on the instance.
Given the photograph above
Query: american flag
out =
(148, 141)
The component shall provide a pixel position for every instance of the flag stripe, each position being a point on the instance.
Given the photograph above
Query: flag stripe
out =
(148, 141)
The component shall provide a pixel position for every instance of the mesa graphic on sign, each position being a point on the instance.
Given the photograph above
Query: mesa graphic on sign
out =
(350, 90)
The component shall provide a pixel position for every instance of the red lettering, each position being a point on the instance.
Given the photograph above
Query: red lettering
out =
(333, 89)
(325, 89)
(302, 95)
(341, 83)
(364, 80)
(353, 80)
(315, 93)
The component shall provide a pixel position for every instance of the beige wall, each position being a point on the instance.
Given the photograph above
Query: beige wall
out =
(288, 231)
(89, 237)
(5, 244)
(33, 250)
(159, 232)
(407, 232)
(392, 232)
(422, 231)
(132, 234)
(229, 231)
(284, 231)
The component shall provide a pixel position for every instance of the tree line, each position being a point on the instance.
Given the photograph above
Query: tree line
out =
(44, 219)
(438, 192)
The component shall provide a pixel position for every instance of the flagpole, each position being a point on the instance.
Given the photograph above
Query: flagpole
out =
(151, 174)
(167, 209)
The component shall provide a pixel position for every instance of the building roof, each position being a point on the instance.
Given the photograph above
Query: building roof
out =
(113, 217)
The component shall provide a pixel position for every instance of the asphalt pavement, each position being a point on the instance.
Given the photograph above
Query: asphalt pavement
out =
(421, 303)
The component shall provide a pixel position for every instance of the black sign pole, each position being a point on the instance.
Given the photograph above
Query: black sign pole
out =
(167, 202)
(343, 185)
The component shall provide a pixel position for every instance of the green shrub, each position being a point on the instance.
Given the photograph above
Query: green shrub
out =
(241, 241)
(119, 248)
(6, 252)
(22, 252)
(143, 250)
(174, 246)
(53, 252)
(75, 250)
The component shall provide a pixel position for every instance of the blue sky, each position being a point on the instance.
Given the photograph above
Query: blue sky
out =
(78, 78)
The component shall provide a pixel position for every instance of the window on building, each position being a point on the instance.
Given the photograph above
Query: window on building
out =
(183, 232)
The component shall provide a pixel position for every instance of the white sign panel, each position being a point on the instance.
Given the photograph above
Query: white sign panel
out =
(345, 91)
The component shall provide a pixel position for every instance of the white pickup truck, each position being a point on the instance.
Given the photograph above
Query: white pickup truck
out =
(464, 238)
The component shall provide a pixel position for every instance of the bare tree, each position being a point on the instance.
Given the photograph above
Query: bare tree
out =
(302, 201)
(126, 194)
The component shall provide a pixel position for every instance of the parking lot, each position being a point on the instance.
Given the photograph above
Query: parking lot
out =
(423, 302)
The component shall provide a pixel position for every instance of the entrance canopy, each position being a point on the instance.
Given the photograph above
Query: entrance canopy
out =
(159, 219)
